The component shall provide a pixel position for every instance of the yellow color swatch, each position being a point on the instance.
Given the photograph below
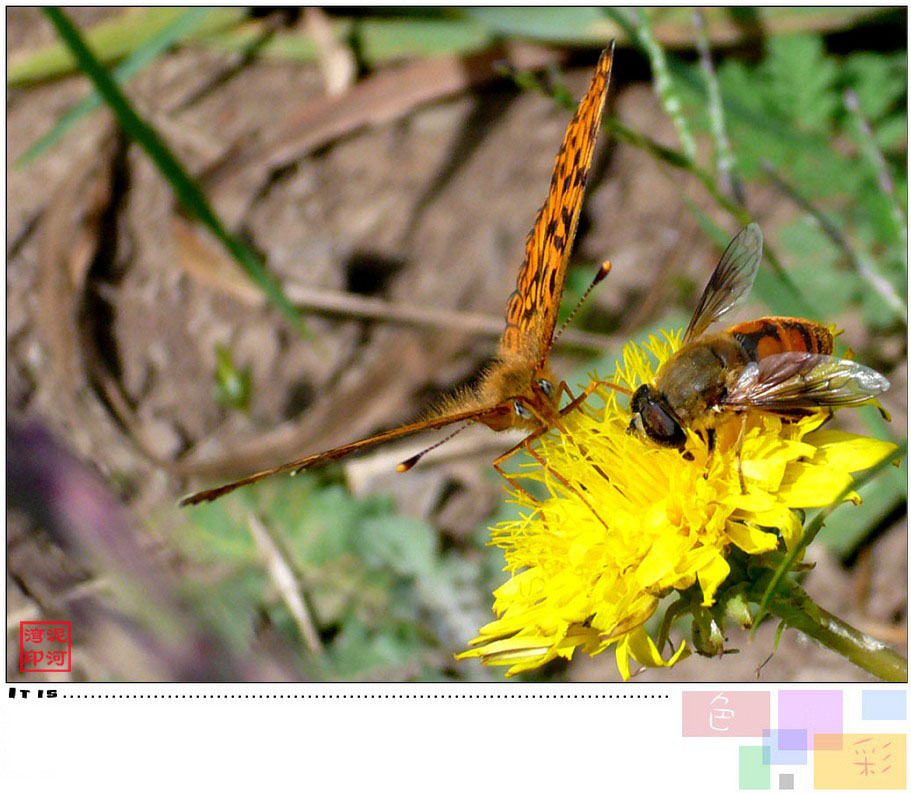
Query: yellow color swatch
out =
(860, 761)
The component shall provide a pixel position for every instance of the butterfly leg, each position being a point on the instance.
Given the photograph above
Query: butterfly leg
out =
(545, 426)
(575, 402)
(561, 390)
(591, 389)
(566, 483)
(512, 451)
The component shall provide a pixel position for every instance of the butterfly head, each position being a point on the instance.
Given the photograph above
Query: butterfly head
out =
(525, 396)
(536, 403)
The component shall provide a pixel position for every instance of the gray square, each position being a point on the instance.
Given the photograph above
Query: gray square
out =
(786, 782)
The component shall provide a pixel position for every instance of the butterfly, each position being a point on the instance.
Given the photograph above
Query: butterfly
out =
(518, 389)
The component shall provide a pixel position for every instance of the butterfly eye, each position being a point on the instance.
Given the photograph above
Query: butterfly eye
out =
(521, 411)
(546, 386)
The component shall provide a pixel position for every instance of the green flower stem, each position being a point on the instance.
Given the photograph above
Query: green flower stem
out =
(799, 611)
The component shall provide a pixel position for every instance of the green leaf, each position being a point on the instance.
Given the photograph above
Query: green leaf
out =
(218, 535)
(406, 545)
(378, 40)
(892, 134)
(879, 80)
(359, 648)
(800, 80)
(819, 266)
(383, 40)
(576, 25)
(876, 312)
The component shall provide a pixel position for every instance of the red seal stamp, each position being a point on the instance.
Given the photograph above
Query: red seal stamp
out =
(44, 646)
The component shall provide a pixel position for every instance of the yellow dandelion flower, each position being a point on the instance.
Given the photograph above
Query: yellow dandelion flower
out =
(627, 522)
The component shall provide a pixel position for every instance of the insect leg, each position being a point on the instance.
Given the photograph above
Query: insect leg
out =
(561, 390)
(743, 425)
(610, 385)
(512, 451)
(566, 483)
(710, 445)
(526, 443)
(574, 402)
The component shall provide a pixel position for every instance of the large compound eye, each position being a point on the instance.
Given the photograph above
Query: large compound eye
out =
(521, 411)
(652, 416)
(546, 386)
(659, 424)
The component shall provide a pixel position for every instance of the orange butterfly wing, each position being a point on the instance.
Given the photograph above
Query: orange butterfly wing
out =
(531, 311)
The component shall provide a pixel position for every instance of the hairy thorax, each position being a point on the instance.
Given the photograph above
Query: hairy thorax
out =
(697, 376)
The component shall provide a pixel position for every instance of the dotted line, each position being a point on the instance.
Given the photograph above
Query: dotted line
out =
(368, 697)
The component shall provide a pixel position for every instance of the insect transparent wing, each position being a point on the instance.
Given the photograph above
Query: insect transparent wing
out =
(794, 381)
(730, 283)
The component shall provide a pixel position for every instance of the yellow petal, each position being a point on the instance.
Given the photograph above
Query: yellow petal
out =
(806, 485)
(710, 578)
(848, 452)
(661, 558)
(751, 539)
(640, 646)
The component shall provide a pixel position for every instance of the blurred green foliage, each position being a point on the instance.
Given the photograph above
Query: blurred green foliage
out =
(383, 592)
(787, 113)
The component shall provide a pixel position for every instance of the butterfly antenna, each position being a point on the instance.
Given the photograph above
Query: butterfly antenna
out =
(599, 277)
(409, 464)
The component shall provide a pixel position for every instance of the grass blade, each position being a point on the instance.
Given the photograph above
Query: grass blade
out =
(111, 40)
(188, 21)
(186, 188)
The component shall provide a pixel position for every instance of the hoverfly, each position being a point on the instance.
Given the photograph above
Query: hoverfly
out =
(783, 365)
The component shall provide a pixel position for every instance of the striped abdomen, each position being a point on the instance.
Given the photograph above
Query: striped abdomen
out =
(770, 335)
